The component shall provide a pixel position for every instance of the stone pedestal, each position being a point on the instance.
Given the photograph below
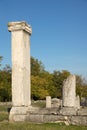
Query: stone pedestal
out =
(21, 92)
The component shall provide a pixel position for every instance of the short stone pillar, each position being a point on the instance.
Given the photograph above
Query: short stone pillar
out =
(48, 101)
(21, 92)
(69, 92)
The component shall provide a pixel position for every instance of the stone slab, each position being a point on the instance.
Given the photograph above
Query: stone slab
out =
(43, 111)
(68, 120)
(19, 118)
(68, 111)
(35, 118)
(82, 112)
(78, 120)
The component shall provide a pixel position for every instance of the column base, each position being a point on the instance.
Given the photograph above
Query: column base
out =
(18, 113)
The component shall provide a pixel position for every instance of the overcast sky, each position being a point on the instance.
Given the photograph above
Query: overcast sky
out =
(59, 32)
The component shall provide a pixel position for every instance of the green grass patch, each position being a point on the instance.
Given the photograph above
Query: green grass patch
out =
(4, 112)
(3, 116)
(29, 126)
(39, 103)
(4, 108)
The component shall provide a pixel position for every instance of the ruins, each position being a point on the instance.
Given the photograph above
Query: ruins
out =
(69, 111)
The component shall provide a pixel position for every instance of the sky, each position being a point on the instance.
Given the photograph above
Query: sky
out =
(59, 32)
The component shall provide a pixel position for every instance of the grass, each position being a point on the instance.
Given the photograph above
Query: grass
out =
(39, 103)
(3, 108)
(6, 125)
(3, 116)
(29, 126)
(4, 112)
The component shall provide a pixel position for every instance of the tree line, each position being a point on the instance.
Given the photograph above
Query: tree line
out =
(43, 83)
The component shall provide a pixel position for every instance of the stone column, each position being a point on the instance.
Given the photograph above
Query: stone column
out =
(48, 101)
(69, 91)
(21, 92)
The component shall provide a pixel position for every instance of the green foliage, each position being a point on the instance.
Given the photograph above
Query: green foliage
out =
(58, 78)
(81, 86)
(38, 86)
(1, 59)
(43, 83)
(36, 67)
(50, 85)
(3, 95)
(5, 84)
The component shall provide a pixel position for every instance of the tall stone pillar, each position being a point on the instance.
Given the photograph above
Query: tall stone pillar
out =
(69, 91)
(21, 92)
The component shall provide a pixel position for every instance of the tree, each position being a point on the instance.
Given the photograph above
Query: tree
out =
(1, 59)
(36, 67)
(38, 84)
(81, 86)
(58, 78)
(50, 85)
(38, 87)
(41, 81)
(5, 82)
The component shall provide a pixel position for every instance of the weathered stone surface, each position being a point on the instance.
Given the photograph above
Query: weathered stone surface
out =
(17, 26)
(46, 115)
(43, 111)
(20, 63)
(46, 118)
(48, 101)
(67, 119)
(69, 91)
(18, 113)
(68, 111)
(77, 102)
(56, 103)
(18, 118)
(21, 91)
(35, 118)
(19, 110)
(82, 111)
(53, 118)
(78, 120)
